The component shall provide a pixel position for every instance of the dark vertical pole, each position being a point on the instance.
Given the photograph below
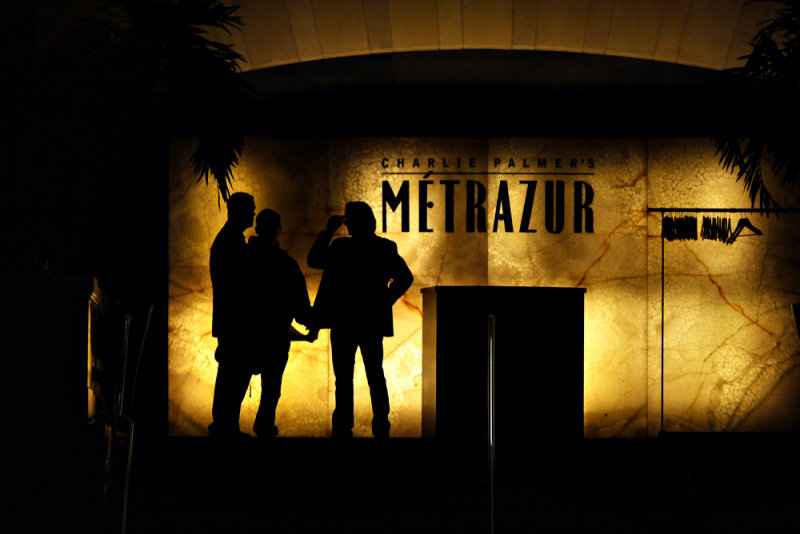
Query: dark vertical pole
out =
(662, 322)
(490, 400)
(124, 519)
(126, 334)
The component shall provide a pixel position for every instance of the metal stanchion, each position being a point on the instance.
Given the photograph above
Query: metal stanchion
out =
(491, 433)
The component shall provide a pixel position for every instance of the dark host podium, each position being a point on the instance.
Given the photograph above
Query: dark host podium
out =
(538, 371)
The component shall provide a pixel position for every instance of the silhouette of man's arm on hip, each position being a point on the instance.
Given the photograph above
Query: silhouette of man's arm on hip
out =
(401, 277)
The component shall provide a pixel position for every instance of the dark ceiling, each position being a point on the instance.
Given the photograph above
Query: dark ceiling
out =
(487, 93)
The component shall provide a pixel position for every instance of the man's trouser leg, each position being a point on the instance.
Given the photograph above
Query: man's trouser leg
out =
(372, 354)
(343, 355)
(271, 378)
(229, 390)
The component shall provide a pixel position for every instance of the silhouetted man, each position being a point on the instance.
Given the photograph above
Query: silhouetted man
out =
(229, 281)
(278, 295)
(363, 277)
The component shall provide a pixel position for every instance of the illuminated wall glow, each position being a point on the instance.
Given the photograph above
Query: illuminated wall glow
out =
(731, 347)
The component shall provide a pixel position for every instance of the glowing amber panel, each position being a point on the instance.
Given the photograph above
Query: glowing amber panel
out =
(731, 346)
(729, 341)
(609, 262)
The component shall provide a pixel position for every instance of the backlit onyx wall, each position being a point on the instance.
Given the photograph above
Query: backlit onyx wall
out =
(558, 212)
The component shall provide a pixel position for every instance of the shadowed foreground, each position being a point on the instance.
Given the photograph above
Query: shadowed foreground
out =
(678, 483)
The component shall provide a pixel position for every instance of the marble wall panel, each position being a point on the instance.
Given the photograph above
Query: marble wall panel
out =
(610, 262)
(654, 323)
(730, 342)
(721, 365)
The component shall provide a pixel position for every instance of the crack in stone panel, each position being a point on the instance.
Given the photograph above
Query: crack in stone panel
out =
(731, 347)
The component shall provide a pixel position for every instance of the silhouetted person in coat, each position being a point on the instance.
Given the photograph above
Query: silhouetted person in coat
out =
(278, 295)
(229, 270)
(363, 277)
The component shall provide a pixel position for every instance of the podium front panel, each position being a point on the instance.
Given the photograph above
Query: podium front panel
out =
(538, 387)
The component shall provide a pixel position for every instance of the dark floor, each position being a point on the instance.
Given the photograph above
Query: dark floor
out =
(732, 483)
(678, 483)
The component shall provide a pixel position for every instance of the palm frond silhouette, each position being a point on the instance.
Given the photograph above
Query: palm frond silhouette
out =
(768, 85)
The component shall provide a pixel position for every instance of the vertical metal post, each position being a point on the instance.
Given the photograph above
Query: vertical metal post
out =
(490, 400)
(662, 322)
(124, 519)
(126, 335)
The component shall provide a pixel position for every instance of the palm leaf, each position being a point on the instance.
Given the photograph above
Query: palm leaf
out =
(769, 83)
(158, 47)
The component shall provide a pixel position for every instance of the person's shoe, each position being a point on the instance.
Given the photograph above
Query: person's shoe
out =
(381, 431)
(273, 433)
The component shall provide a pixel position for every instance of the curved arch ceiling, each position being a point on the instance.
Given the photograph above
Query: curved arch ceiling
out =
(711, 34)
